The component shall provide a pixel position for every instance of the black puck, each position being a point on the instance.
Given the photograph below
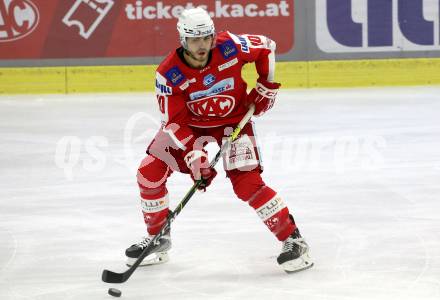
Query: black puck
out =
(114, 292)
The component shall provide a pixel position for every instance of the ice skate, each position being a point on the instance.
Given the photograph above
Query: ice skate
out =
(158, 255)
(294, 255)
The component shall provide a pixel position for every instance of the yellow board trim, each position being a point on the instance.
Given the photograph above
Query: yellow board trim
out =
(104, 79)
(313, 74)
(33, 80)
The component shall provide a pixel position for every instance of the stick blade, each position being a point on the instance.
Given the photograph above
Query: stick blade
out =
(113, 277)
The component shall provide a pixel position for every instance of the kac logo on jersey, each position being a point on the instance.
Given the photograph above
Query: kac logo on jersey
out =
(228, 49)
(377, 25)
(212, 106)
(17, 19)
(208, 80)
(175, 76)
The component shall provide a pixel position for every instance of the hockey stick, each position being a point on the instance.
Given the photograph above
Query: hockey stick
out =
(113, 277)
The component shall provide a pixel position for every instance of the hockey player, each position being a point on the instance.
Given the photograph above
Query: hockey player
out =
(201, 97)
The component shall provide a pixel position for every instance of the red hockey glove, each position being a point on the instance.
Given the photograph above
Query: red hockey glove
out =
(197, 162)
(263, 95)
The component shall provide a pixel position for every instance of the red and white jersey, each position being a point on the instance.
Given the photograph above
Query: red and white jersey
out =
(213, 96)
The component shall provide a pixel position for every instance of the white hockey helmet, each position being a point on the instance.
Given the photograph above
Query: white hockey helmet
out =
(194, 22)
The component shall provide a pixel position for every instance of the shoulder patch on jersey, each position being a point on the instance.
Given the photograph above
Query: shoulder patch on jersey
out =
(161, 85)
(175, 76)
(242, 41)
(228, 49)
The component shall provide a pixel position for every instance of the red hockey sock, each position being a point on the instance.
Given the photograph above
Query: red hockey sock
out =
(154, 208)
(273, 211)
(151, 177)
(271, 208)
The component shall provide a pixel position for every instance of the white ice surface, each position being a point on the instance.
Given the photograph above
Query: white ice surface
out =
(358, 168)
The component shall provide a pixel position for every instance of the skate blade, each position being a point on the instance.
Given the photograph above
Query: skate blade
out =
(302, 263)
(152, 259)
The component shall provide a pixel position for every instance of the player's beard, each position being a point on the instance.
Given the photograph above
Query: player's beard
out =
(199, 57)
